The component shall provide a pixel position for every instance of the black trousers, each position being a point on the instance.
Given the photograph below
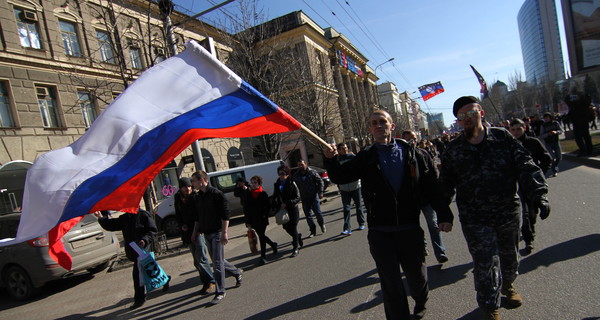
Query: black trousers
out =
(139, 288)
(262, 237)
(392, 250)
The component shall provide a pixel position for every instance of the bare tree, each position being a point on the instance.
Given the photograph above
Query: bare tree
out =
(294, 75)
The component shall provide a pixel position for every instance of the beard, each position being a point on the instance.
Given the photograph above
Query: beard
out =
(469, 131)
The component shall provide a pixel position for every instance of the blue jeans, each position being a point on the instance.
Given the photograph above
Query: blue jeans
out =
(360, 214)
(312, 203)
(434, 232)
(200, 255)
(556, 153)
(217, 253)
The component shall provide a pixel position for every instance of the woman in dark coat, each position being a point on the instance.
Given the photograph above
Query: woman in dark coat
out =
(286, 196)
(256, 211)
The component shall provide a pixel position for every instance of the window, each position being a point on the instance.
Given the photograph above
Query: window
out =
(28, 29)
(6, 118)
(48, 107)
(106, 51)
(87, 108)
(134, 54)
(68, 31)
(159, 55)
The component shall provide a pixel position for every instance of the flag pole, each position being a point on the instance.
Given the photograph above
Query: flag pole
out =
(314, 136)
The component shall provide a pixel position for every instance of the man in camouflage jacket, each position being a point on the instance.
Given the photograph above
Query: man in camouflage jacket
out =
(484, 166)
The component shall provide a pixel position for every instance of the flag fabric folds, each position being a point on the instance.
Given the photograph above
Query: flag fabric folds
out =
(484, 89)
(184, 98)
(431, 90)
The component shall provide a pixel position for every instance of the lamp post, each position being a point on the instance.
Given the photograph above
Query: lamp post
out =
(379, 65)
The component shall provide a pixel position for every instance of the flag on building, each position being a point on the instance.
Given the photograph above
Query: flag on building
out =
(431, 90)
(484, 90)
(185, 98)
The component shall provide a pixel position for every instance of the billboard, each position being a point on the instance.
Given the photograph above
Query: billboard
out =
(582, 23)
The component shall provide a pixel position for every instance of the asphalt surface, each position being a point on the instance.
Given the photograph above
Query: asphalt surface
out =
(334, 276)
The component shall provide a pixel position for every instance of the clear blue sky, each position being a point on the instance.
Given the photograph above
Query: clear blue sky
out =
(430, 40)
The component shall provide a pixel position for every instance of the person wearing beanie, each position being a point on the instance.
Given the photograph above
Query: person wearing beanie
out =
(185, 213)
(483, 166)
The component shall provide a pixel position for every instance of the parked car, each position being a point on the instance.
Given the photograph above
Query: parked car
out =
(25, 267)
(225, 181)
(322, 172)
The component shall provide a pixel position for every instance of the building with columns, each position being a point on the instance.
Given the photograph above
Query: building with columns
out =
(332, 94)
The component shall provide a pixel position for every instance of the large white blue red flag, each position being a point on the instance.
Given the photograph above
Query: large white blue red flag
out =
(184, 98)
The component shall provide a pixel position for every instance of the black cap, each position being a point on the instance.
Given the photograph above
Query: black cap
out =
(185, 182)
(462, 101)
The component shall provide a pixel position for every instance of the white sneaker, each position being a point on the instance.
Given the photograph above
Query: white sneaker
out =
(217, 299)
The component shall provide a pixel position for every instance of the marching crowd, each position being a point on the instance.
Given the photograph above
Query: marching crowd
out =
(497, 177)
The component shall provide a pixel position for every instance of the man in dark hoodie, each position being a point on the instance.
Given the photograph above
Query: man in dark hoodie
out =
(139, 228)
(395, 177)
(186, 215)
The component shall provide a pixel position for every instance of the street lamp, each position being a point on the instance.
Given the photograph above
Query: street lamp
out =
(379, 65)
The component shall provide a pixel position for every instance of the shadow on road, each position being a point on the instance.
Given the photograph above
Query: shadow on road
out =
(567, 250)
(324, 296)
(439, 277)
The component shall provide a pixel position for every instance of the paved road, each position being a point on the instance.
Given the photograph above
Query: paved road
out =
(334, 276)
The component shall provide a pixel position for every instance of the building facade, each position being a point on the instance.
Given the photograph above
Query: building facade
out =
(399, 105)
(63, 61)
(330, 89)
(540, 41)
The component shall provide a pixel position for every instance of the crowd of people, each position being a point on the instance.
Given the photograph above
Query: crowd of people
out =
(497, 177)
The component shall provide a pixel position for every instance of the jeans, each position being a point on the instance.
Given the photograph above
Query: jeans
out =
(360, 214)
(392, 250)
(555, 152)
(436, 238)
(312, 203)
(200, 254)
(217, 250)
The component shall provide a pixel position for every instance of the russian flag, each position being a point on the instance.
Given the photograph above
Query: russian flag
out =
(431, 90)
(184, 98)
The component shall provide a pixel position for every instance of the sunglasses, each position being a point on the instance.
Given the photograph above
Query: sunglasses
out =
(469, 114)
(282, 174)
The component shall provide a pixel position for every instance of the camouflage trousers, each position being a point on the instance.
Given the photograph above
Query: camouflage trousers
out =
(495, 258)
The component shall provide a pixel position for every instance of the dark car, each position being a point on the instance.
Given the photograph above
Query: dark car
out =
(322, 172)
(25, 267)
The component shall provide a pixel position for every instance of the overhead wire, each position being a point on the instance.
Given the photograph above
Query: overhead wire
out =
(373, 39)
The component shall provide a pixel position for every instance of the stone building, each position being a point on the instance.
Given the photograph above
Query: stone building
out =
(331, 89)
(63, 61)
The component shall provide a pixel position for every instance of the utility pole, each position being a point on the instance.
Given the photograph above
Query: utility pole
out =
(166, 8)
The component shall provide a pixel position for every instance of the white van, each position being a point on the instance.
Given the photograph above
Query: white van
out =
(225, 181)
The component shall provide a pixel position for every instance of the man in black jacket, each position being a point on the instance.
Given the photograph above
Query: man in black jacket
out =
(186, 215)
(542, 159)
(212, 220)
(395, 178)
